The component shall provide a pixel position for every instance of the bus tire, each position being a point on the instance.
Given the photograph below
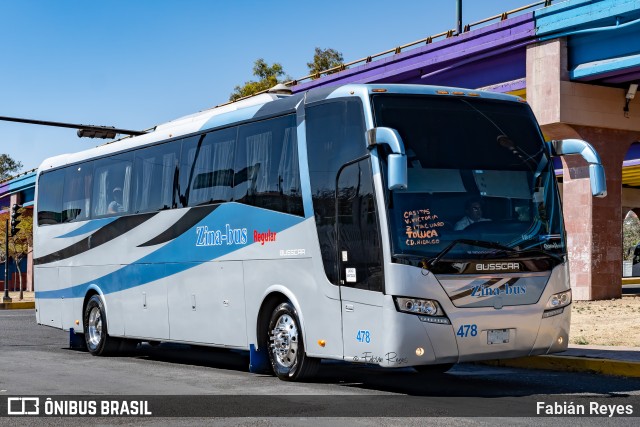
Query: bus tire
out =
(286, 346)
(433, 369)
(95, 329)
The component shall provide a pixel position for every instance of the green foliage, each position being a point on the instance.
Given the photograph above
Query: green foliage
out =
(268, 78)
(8, 166)
(22, 242)
(630, 235)
(324, 59)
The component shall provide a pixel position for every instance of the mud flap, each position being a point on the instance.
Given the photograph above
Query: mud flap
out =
(258, 361)
(76, 341)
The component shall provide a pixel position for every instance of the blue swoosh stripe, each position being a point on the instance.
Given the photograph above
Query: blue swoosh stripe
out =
(182, 253)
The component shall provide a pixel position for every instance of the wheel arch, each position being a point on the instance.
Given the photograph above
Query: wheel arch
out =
(274, 296)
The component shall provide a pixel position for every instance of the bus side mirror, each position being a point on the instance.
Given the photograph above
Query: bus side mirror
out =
(597, 177)
(396, 161)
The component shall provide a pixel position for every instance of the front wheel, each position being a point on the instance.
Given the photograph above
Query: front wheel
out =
(95, 329)
(286, 347)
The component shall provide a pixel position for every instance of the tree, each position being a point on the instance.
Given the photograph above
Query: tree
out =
(324, 59)
(20, 244)
(630, 235)
(268, 76)
(8, 166)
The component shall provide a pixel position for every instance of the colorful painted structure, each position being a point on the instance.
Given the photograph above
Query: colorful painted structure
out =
(18, 190)
(573, 61)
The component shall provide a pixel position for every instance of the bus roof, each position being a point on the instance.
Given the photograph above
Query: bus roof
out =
(263, 105)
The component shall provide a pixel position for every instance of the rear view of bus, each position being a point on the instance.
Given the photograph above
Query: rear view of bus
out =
(394, 225)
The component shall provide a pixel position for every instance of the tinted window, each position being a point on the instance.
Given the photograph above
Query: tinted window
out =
(156, 177)
(112, 185)
(360, 252)
(335, 136)
(207, 167)
(267, 173)
(477, 170)
(76, 197)
(50, 197)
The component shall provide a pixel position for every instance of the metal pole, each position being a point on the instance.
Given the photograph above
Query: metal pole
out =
(71, 125)
(459, 16)
(6, 297)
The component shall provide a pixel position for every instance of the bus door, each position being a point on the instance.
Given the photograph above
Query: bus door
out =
(359, 263)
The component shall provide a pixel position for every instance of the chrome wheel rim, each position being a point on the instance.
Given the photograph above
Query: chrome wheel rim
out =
(95, 327)
(284, 337)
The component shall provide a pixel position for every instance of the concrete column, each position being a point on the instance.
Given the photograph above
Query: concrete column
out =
(594, 113)
(594, 225)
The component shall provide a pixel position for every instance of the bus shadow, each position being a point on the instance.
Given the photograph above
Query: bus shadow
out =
(210, 357)
(463, 380)
(477, 380)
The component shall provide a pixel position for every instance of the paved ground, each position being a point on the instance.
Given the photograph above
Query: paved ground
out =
(35, 360)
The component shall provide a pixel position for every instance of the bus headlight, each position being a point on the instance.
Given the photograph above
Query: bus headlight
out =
(425, 307)
(558, 300)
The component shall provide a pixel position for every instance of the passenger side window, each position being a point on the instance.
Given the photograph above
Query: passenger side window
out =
(157, 177)
(50, 197)
(267, 173)
(207, 167)
(77, 192)
(112, 185)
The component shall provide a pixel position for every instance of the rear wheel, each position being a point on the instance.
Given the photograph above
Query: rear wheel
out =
(286, 347)
(95, 329)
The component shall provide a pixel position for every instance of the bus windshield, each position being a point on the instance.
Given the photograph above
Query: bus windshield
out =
(477, 171)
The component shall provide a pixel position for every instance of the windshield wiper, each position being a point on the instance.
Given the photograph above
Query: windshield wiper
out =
(479, 243)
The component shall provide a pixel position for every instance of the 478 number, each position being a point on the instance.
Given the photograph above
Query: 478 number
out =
(363, 336)
(467, 330)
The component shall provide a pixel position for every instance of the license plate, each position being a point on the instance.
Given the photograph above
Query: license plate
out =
(497, 336)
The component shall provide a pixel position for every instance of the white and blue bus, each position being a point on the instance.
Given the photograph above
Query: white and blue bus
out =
(394, 225)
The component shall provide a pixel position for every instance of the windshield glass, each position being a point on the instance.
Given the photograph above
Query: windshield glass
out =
(477, 170)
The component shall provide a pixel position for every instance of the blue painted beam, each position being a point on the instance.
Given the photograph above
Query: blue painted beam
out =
(20, 183)
(598, 69)
(617, 44)
(575, 14)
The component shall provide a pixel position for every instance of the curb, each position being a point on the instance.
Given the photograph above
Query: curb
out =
(572, 364)
(26, 305)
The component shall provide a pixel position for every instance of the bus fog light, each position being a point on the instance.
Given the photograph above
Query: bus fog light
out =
(560, 340)
(419, 351)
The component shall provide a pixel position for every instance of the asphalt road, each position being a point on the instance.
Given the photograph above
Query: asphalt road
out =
(36, 360)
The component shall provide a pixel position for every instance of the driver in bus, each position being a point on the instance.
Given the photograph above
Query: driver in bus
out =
(473, 211)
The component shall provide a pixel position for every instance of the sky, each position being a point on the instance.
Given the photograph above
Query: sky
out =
(134, 64)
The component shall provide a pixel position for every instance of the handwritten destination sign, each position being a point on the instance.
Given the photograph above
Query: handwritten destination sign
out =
(422, 227)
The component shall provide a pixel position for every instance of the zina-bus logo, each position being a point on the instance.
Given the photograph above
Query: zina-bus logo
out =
(23, 406)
